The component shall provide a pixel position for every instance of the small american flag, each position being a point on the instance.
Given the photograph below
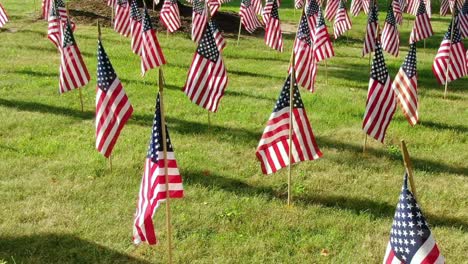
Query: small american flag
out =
(54, 26)
(113, 109)
(412, 7)
(311, 11)
(444, 7)
(371, 30)
(219, 39)
(273, 149)
(45, 6)
(422, 28)
(390, 38)
(151, 52)
(122, 18)
(366, 4)
(273, 34)
(397, 11)
(305, 66)
(411, 240)
(342, 21)
(207, 77)
(356, 7)
(451, 55)
(257, 6)
(298, 4)
(170, 15)
(153, 183)
(463, 17)
(323, 47)
(405, 86)
(214, 6)
(73, 71)
(381, 104)
(199, 20)
(3, 16)
(331, 9)
(60, 6)
(248, 16)
(136, 28)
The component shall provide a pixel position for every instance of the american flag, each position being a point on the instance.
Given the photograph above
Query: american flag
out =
(122, 18)
(136, 28)
(3, 16)
(323, 47)
(73, 71)
(405, 86)
(444, 7)
(54, 26)
(463, 20)
(273, 149)
(219, 39)
(273, 34)
(305, 66)
(371, 30)
(397, 11)
(207, 76)
(151, 52)
(153, 189)
(214, 6)
(422, 28)
(451, 55)
(170, 15)
(411, 240)
(46, 5)
(381, 104)
(298, 4)
(366, 6)
(342, 21)
(266, 11)
(248, 16)
(113, 109)
(311, 11)
(257, 6)
(111, 3)
(412, 7)
(390, 38)
(199, 20)
(62, 10)
(356, 7)
(332, 7)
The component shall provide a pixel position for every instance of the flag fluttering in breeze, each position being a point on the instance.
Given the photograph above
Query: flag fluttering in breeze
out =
(305, 66)
(153, 183)
(412, 7)
(3, 16)
(151, 52)
(136, 28)
(214, 6)
(46, 5)
(122, 18)
(199, 20)
(342, 21)
(422, 28)
(273, 149)
(371, 29)
(219, 39)
(323, 47)
(54, 26)
(390, 38)
(444, 7)
(381, 103)
(405, 86)
(273, 33)
(62, 10)
(451, 54)
(73, 71)
(411, 240)
(207, 77)
(298, 4)
(397, 11)
(356, 7)
(113, 109)
(463, 17)
(311, 11)
(248, 16)
(170, 15)
(257, 6)
(428, 7)
(331, 9)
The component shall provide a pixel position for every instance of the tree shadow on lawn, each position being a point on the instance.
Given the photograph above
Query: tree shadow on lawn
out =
(356, 205)
(55, 248)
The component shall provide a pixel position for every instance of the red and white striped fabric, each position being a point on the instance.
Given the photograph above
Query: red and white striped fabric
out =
(248, 16)
(62, 10)
(323, 47)
(405, 87)
(304, 60)
(3, 16)
(151, 52)
(451, 55)
(170, 15)
(73, 71)
(463, 20)
(136, 28)
(219, 39)
(331, 9)
(257, 6)
(311, 12)
(366, 6)
(390, 37)
(153, 189)
(113, 109)
(342, 21)
(111, 3)
(214, 6)
(371, 31)
(199, 20)
(46, 6)
(412, 7)
(422, 28)
(381, 103)
(273, 33)
(273, 149)
(356, 7)
(122, 18)
(298, 4)
(207, 77)
(397, 11)
(54, 27)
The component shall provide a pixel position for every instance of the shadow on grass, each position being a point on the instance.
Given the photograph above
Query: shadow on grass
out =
(33, 73)
(54, 248)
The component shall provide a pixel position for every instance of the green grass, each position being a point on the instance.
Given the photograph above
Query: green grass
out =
(61, 204)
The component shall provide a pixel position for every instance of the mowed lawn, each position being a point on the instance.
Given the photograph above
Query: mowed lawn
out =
(60, 203)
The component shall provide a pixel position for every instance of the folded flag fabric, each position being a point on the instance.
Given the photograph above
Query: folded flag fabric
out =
(323, 47)
(397, 11)
(136, 28)
(199, 20)
(422, 27)
(45, 6)
(122, 18)
(54, 26)
(371, 30)
(305, 65)
(248, 16)
(312, 10)
(273, 33)
(390, 37)
(331, 9)
(342, 21)
(170, 15)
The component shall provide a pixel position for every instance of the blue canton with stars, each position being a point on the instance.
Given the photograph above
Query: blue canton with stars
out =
(54, 10)
(247, 3)
(147, 21)
(283, 100)
(207, 46)
(342, 5)
(274, 10)
(464, 9)
(379, 70)
(409, 228)
(105, 72)
(390, 19)
(320, 19)
(409, 66)
(303, 32)
(156, 139)
(134, 12)
(198, 6)
(373, 14)
(456, 35)
(312, 8)
(421, 8)
(122, 2)
(59, 3)
(68, 39)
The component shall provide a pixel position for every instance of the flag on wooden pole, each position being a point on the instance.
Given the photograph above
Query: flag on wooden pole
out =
(122, 18)
(356, 7)
(342, 21)
(397, 11)
(371, 29)
(257, 6)
(422, 28)
(463, 17)
(323, 47)
(151, 54)
(199, 20)
(248, 16)
(46, 6)
(331, 9)
(273, 33)
(54, 26)
(312, 10)
(136, 28)
(305, 65)
(444, 7)
(390, 37)
(170, 16)
(219, 39)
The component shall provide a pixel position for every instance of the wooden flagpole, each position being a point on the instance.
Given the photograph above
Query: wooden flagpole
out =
(364, 147)
(154, 5)
(112, 16)
(449, 55)
(326, 72)
(166, 172)
(408, 166)
(208, 16)
(240, 28)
